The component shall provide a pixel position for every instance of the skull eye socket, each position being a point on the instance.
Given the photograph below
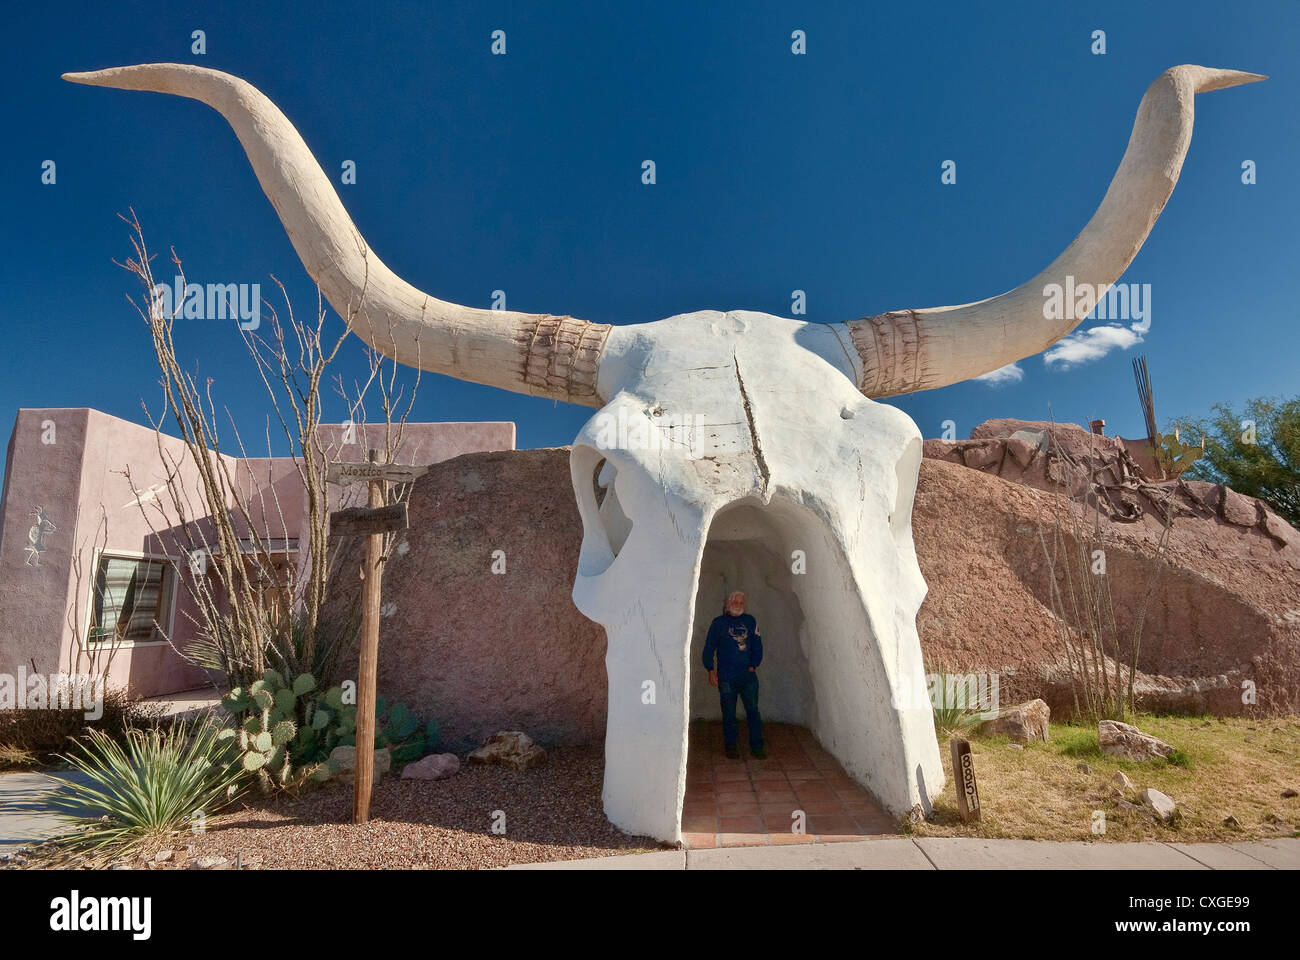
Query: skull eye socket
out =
(601, 480)
(602, 514)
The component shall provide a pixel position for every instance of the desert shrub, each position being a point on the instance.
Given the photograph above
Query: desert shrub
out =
(950, 699)
(36, 736)
(1255, 451)
(152, 785)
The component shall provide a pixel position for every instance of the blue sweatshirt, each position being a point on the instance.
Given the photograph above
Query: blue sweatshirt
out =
(737, 644)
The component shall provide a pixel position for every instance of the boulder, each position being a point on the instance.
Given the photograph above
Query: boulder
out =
(941, 450)
(509, 748)
(981, 455)
(1022, 449)
(1021, 723)
(1239, 509)
(343, 761)
(1127, 741)
(436, 766)
(1278, 529)
(1161, 805)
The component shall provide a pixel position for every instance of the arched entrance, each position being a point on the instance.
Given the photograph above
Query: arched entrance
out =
(840, 587)
(800, 792)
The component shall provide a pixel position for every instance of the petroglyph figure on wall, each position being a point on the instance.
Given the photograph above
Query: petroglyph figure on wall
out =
(36, 536)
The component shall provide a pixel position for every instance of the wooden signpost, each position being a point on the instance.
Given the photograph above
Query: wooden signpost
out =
(366, 521)
(372, 522)
(344, 473)
(963, 769)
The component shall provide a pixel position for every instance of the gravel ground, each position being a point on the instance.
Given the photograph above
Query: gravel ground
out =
(552, 812)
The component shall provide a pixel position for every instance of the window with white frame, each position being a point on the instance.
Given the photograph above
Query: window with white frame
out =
(131, 595)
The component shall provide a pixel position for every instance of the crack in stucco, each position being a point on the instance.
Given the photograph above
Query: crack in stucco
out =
(753, 431)
(654, 649)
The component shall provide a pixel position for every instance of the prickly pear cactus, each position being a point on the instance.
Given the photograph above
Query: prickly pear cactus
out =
(286, 729)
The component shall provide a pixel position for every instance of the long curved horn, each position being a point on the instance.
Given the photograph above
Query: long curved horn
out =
(540, 354)
(903, 351)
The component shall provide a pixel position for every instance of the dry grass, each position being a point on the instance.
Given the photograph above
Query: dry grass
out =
(17, 758)
(1236, 766)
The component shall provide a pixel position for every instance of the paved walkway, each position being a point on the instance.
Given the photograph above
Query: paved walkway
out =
(749, 802)
(189, 703)
(26, 815)
(958, 853)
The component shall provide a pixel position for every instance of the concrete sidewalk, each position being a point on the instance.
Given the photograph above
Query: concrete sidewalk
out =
(190, 703)
(26, 815)
(958, 853)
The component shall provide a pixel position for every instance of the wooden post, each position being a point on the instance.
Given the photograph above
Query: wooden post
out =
(372, 574)
(963, 771)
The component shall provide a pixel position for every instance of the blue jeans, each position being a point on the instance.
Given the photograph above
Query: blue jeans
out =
(746, 688)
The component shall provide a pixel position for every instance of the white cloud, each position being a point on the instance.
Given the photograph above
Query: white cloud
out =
(1011, 373)
(1092, 344)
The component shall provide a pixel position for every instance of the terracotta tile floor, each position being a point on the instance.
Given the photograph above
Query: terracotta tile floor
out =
(748, 802)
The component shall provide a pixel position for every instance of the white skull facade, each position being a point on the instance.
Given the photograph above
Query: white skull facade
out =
(730, 450)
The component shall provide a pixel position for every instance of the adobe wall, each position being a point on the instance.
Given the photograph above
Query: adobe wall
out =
(81, 480)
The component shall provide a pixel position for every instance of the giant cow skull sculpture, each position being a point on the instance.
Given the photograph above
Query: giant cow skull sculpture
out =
(722, 427)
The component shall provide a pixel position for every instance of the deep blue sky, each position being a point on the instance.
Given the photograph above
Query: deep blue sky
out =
(775, 172)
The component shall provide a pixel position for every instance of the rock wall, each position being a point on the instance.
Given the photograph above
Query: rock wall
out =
(485, 651)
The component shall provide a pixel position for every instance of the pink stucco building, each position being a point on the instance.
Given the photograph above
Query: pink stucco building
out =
(84, 571)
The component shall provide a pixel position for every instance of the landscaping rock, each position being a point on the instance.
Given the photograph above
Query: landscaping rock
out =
(436, 766)
(1021, 723)
(509, 748)
(343, 763)
(1022, 449)
(1239, 509)
(1122, 781)
(1162, 805)
(209, 863)
(1127, 741)
(1083, 768)
(162, 856)
(1231, 821)
(1125, 805)
(980, 455)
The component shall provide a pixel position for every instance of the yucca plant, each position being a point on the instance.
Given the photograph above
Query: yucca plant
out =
(147, 788)
(950, 698)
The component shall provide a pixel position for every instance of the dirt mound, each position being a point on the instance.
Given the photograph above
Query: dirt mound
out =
(1225, 606)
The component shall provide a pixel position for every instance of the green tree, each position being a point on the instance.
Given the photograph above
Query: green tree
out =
(1256, 452)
